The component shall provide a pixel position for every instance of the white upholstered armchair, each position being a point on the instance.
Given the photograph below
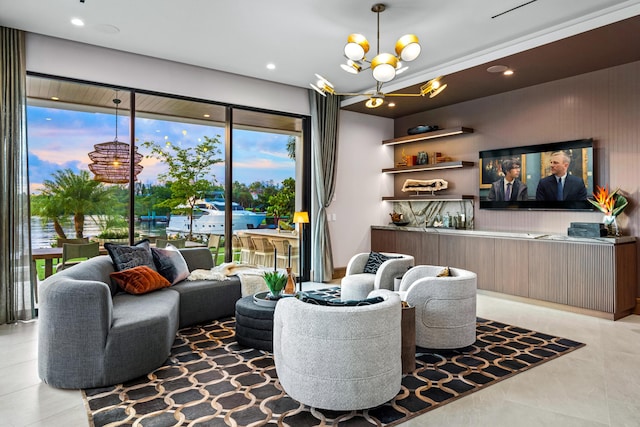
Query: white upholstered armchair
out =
(359, 279)
(339, 358)
(445, 306)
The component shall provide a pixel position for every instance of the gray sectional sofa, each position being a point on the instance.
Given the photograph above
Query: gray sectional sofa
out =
(90, 335)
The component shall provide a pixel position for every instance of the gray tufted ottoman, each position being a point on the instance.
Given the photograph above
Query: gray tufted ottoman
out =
(254, 324)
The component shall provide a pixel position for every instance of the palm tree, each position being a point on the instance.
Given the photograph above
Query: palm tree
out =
(70, 193)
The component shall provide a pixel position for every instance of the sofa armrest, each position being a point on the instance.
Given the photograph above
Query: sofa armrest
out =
(418, 272)
(75, 317)
(390, 269)
(356, 263)
(198, 258)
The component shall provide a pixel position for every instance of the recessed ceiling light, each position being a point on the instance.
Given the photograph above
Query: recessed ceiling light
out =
(392, 104)
(77, 22)
(271, 66)
(508, 72)
(55, 98)
(497, 69)
(207, 115)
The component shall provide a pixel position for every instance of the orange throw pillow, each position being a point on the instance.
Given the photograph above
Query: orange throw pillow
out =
(139, 280)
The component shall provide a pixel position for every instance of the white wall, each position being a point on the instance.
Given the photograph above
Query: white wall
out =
(360, 185)
(75, 60)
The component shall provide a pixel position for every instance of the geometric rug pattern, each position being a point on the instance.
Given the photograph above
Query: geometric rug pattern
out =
(209, 380)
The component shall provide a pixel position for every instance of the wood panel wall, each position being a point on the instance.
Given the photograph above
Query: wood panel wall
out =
(603, 105)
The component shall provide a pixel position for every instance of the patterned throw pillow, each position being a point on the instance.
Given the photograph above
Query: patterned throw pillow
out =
(125, 257)
(445, 272)
(139, 280)
(339, 303)
(170, 263)
(374, 262)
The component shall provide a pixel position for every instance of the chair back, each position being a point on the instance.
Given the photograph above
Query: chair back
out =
(262, 244)
(246, 242)
(178, 243)
(79, 250)
(214, 241)
(281, 245)
(62, 241)
(214, 246)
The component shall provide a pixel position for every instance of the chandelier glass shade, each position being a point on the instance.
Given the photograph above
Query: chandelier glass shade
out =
(112, 159)
(384, 66)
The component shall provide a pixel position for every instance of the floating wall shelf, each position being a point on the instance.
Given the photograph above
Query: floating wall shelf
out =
(430, 167)
(429, 198)
(428, 135)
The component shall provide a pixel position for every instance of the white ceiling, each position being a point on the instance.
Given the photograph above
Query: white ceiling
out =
(304, 37)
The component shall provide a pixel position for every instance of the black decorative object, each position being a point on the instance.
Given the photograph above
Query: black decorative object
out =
(422, 129)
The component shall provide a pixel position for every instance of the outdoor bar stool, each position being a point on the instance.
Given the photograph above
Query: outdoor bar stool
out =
(247, 249)
(282, 254)
(263, 254)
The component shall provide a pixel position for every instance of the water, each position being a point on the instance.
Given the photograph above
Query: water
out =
(44, 236)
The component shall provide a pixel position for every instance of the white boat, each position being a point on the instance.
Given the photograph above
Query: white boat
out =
(211, 220)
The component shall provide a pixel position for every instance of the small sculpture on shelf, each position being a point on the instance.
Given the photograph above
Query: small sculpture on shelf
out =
(402, 163)
(422, 185)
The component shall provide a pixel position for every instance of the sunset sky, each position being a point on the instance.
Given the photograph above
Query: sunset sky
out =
(61, 139)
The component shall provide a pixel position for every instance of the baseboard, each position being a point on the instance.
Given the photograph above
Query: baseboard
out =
(339, 272)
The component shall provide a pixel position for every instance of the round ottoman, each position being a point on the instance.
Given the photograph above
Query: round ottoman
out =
(254, 324)
(356, 286)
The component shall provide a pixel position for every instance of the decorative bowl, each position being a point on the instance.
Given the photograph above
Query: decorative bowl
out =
(401, 223)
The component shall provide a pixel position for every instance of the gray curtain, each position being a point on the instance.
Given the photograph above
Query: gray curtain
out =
(324, 140)
(16, 297)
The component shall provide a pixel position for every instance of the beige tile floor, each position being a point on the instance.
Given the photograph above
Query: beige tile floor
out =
(598, 385)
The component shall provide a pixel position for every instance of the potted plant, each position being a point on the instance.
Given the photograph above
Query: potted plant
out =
(611, 204)
(275, 282)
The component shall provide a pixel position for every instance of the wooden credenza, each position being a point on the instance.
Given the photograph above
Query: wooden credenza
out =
(595, 276)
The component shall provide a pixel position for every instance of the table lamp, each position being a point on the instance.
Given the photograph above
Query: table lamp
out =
(300, 218)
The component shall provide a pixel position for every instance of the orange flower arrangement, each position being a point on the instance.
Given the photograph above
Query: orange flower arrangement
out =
(611, 204)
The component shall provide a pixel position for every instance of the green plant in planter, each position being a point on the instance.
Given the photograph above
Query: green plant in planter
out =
(275, 282)
(114, 234)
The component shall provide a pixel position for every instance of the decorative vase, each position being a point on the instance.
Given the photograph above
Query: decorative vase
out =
(290, 287)
(611, 223)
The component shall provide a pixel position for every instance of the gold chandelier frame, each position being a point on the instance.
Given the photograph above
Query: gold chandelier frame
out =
(384, 66)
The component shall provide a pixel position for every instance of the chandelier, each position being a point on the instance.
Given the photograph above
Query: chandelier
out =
(112, 159)
(384, 66)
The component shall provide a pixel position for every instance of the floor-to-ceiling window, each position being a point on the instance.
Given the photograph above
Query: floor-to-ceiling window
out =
(183, 150)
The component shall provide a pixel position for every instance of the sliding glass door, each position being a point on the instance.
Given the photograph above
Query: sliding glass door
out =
(180, 161)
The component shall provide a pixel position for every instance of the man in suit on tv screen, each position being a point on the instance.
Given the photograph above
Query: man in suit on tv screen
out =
(509, 187)
(560, 185)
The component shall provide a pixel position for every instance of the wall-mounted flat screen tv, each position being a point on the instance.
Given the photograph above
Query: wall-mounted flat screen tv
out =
(556, 175)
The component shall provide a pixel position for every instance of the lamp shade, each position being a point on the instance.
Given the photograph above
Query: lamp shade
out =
(437, 90)
(357, 47)
(374, 102)
(111, 162)
(301, 217)
(407, 47)
(384, 67)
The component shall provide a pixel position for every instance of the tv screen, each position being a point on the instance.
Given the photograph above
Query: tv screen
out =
(527, 177)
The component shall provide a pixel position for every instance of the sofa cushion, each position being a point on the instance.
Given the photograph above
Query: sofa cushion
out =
(170, 263)
(125, 257)
(139, 280)
(374, 262)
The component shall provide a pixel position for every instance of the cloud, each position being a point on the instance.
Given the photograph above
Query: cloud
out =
(40, 170)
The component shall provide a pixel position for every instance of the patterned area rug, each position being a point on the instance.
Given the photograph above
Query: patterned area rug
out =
(209, 380)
